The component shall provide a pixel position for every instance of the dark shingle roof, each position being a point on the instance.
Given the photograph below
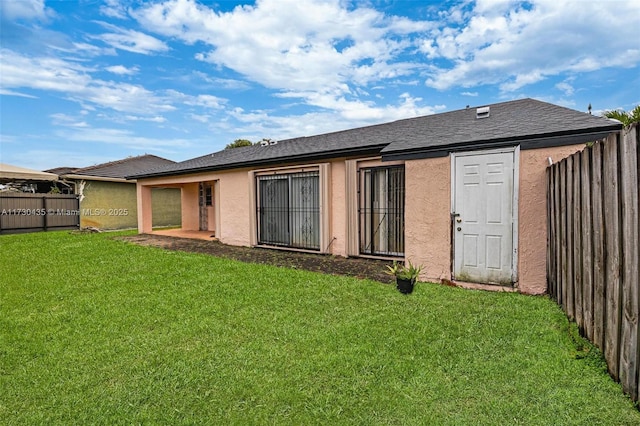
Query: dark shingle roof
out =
(508, 123)
(515, 121)
(121, 168)
(62, 170)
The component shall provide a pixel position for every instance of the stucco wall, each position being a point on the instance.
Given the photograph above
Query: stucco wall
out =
(108, 205)
(338, 209)
(427, 216)
(532, 216)
(113, 205)
(235, 208)
(427, 211)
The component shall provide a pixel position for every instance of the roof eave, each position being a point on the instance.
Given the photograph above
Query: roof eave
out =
(369, 150)
(525, 142)
(97, 178)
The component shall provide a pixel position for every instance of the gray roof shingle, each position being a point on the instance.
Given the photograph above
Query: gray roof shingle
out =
(127, 166)
(512, 121)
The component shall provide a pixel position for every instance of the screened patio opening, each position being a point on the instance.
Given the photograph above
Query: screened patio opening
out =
(381, 211)
(288, 210)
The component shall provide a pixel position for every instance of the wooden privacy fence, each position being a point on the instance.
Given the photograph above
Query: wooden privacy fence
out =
(21, 212)
(592, 256)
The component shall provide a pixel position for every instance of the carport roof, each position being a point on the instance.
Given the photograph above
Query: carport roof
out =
(9, 173)
(526, 122)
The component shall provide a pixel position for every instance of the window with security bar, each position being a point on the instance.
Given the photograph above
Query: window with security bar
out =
(288, 208)
(381, 211)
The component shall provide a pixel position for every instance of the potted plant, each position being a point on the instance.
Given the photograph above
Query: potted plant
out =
(406, 275)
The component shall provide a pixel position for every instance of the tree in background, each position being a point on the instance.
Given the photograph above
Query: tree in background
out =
(625, 117)
(239, 143)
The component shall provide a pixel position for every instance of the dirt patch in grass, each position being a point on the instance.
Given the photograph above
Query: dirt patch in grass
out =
(337, 265)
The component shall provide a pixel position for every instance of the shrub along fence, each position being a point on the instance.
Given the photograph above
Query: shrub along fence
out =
(592, 252)
(20, 212)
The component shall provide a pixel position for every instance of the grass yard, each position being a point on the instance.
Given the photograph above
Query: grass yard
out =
(99, 331)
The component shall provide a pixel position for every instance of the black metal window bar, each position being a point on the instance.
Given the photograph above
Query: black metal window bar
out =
(381, 211)
(288, 210)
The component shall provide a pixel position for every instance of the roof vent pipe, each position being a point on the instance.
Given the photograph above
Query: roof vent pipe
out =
(482, 112)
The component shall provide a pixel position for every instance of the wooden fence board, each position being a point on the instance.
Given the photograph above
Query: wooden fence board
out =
(577, 242)
(550, 236)
(587, 244)
(629, 278)
(569, 283)
(611, 215)
(27, 212)
(563, 232)
(558, 221)
(593, 255)
(599, 307)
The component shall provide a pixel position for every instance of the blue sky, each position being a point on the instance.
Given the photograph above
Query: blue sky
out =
(90, 81)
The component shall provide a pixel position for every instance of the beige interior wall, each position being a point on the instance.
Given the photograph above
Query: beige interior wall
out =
(166, 206)
(427, 216)
(532, 216)
(189, 205)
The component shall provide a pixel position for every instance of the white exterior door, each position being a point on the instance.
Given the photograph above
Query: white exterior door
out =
(483, 217)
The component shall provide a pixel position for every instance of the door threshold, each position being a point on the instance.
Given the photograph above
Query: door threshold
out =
(479, 286)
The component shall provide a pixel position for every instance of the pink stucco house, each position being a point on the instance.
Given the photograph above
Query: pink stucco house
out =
(462, 193)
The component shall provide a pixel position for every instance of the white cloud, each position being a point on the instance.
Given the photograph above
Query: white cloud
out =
(225, 83)
(291, 45)
(155, 119)
(44, 159)
(474, 94)
(65, 120)
(123, 138)
(122, 70)
(131, 40)
(74, 81)
(6, 92)
(207, 101)
(517, 44)
(114, 9)
(24, 9)
(257, 124)
(565, 87)
(200, 118)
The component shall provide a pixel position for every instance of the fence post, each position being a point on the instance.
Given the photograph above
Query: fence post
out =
(613, 294)
(570, 281)
(46, 213)
(563, 229)
(587, 244)
(551, 283)
(558, 242)
(599, 305)
(577, 242)
(629, 279)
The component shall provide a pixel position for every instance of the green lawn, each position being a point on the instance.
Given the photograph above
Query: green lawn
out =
(98, 331)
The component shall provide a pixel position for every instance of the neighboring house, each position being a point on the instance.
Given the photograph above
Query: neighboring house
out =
(108, 200)
(462, 193)
(20, 179)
